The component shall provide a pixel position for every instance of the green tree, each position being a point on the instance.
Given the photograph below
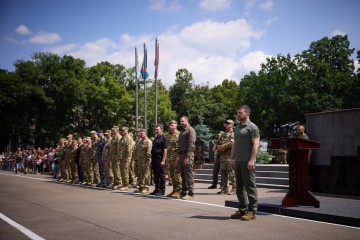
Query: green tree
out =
(224, 100)
(13, 97)
(180, 91)
(203, 133)
(108, 101)
(165, 113)
(328, 70)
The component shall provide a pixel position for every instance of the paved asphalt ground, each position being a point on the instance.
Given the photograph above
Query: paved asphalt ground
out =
(50, 210)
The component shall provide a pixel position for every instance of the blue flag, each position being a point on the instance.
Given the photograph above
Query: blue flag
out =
(144, 72)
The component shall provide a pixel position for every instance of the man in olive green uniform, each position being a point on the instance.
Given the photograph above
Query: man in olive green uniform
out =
(223, 146)
(71, 156)
(243, 156)
(126, 151)
(142, 157)
(106, 161)
(132, 175)
(67, 150)
(185, 161)
(61, 158)
(173, 170)
(115, 156)
(84, 156)
(300, 132)
(93, 167)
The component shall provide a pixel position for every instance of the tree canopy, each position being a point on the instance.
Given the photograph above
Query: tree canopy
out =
(50, 96)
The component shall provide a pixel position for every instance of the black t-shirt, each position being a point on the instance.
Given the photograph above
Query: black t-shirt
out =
(159, 144)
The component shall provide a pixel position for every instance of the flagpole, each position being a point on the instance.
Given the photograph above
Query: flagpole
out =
(156, 73)
(145, 104)
(136, 94)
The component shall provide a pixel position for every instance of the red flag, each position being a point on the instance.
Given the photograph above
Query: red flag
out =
(157, 58)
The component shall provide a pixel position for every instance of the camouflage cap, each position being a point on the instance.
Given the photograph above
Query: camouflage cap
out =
(229, 121)
(93, 132)
(173, 122)
(69, 135)
(125, 128)
(115, 128)
(108, 131)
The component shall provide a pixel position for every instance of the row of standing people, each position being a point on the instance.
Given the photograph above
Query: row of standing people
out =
(29, 161)
(114, 160)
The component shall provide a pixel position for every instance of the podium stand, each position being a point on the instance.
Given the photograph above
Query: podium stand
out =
(298, 159)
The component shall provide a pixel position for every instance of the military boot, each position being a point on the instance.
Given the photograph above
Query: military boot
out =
(223, 191)
(176, 195)
(233, 191)
(170, 194)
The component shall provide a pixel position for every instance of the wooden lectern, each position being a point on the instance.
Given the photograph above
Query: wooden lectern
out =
(298, 159)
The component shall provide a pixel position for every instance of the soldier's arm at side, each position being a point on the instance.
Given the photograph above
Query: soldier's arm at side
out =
(233, 146)
(191, 143)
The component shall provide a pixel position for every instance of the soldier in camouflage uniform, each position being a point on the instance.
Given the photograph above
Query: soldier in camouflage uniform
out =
(106, 161)
(132, 175)
(66, 166)
(71, 156)
(223, 146)
(142, 158)
(126, 151)
(173, 170)
(61, 158)
(93, 164)
(100, 148)
(115, 156)
(84, 159)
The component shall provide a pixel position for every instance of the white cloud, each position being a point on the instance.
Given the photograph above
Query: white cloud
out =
(210, 50)
(214, 5)
(60, 50)
(357, 65)
(218, 38)
(45, 38)
(267, 6)
(252, 61)
(23, 30)
(270, 21)
(165, 5)
(338, 32)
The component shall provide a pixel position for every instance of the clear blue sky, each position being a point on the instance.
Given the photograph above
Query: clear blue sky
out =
(213, 39)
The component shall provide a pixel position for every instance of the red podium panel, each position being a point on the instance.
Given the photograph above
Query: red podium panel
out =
(298, 159)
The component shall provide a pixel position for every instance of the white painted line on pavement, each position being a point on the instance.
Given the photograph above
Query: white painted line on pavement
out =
(22, 229)
(24, 176)
(265, 213)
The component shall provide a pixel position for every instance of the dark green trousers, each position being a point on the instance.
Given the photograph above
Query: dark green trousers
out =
(246, 188)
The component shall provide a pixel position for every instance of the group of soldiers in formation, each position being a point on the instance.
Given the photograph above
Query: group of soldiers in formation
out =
(113, 159)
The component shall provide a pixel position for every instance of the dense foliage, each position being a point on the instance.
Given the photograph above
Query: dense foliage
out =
(49, 96)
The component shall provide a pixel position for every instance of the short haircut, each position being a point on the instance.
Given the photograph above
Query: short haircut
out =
(246, 108)
(160, 126)
(183, 116)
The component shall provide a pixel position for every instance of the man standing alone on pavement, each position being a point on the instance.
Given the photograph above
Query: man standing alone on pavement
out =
(158, 157)
(243, 156)
(185, 158)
